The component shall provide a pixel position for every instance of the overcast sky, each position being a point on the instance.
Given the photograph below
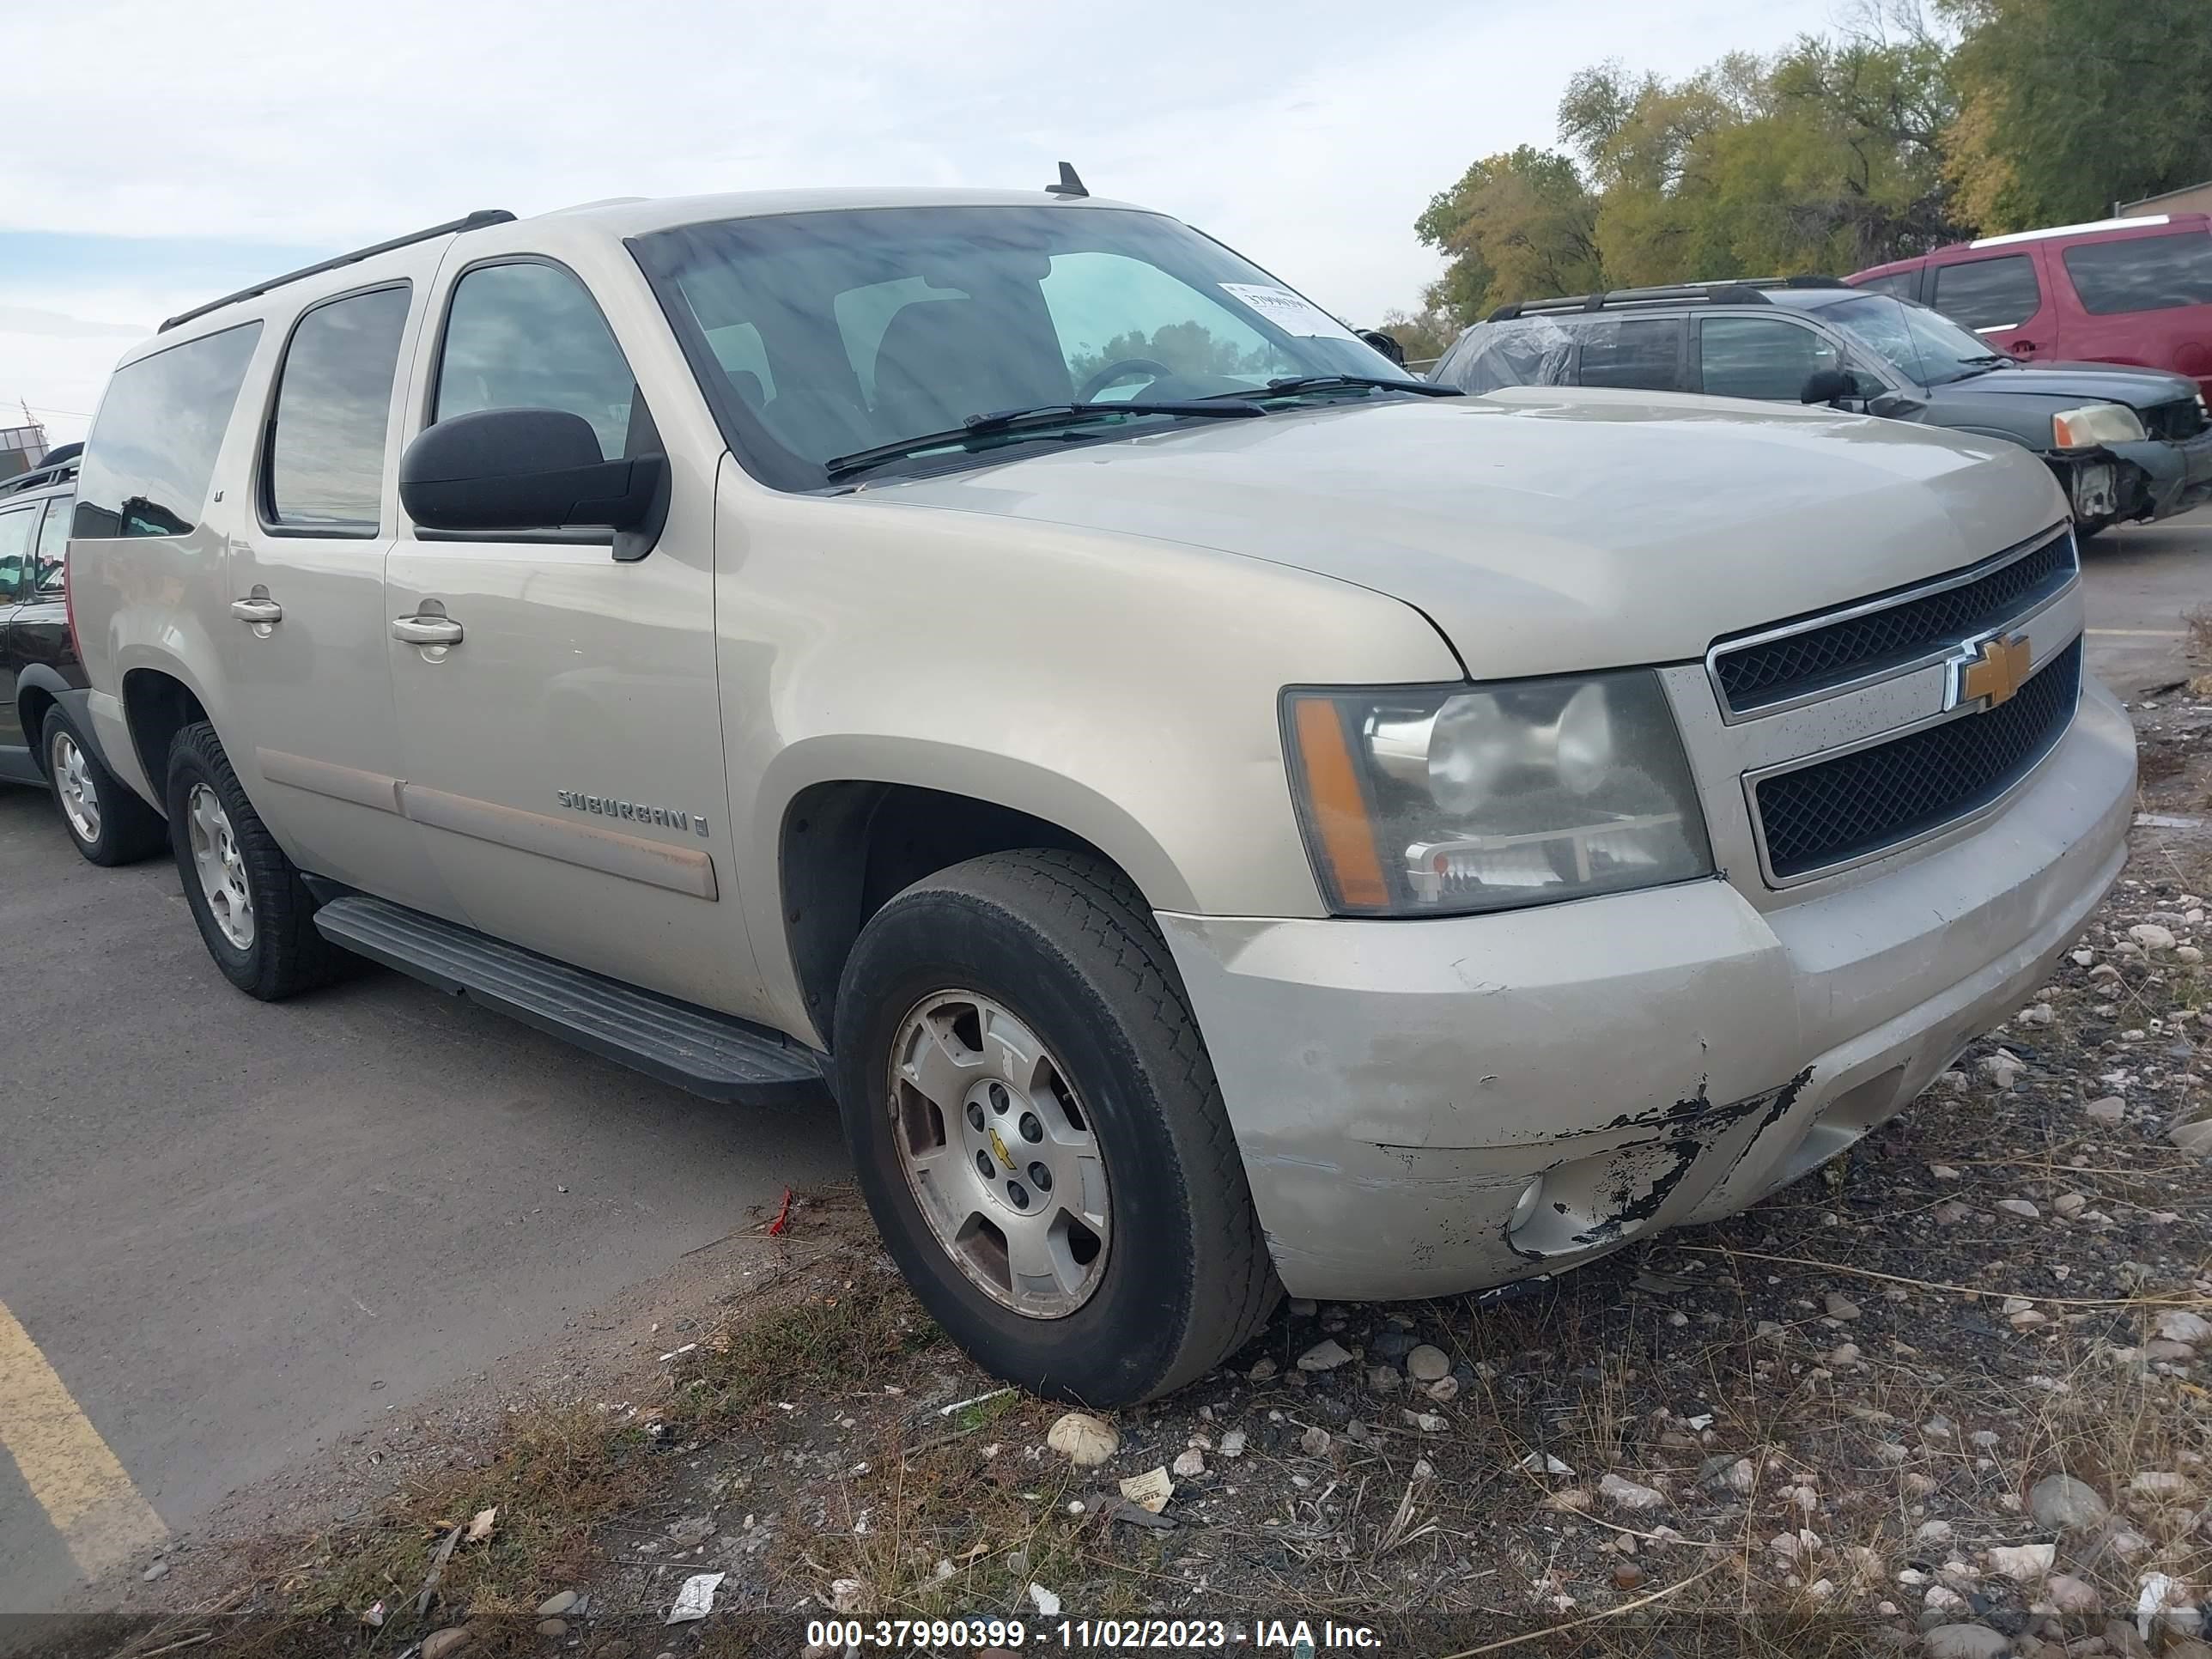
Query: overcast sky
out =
(185, 148)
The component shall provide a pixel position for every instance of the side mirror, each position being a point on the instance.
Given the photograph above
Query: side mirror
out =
(527, 469)
(1384, 343)
(1828, 386)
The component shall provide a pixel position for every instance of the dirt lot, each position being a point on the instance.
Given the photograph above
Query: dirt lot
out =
(1837, 1425)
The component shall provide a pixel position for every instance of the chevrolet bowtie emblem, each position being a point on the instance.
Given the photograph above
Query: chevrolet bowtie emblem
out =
(1989, 671)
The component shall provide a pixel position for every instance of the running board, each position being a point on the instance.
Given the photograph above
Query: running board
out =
(716, 1055)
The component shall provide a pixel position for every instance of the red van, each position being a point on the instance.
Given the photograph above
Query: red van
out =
(2116, 291)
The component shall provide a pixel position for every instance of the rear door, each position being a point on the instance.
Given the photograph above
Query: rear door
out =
(19, 529)
(303, 655)
(1641, 353)
(563, 740)
(38, 632)
(2004, 296)
(2144, 300)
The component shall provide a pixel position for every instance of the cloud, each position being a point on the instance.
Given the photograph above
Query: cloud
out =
(1304, 135)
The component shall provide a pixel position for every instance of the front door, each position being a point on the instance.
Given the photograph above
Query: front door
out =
(304, 654)
(557, 707)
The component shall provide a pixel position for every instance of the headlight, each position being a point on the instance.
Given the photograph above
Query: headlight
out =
(2095, 423)
(1438, 800)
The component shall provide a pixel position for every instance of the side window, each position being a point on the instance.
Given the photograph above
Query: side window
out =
(1988, 292)
(323, 473)
(1642, 352)
(1759, 357)
(15, 527)
(152, 450)
(2144, 273)
(53, 548)
(1904, 284)
(529, 335)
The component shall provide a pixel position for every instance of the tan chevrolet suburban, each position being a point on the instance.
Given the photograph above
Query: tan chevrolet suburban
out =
(1222, 816)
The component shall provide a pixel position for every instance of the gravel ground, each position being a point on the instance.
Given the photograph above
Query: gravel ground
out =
(1943, 1396)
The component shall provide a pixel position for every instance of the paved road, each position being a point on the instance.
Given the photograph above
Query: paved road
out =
(235, 1233)
(2142, 581)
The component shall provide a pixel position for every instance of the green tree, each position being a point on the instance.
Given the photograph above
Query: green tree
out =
(2069, 106)
(1517, 226)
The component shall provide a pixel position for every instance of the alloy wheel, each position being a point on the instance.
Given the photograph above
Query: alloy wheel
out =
(1000, 1154)
(73, 784)
(221, 866)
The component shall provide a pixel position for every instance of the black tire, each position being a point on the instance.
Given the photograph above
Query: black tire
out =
(2086, 533)
(129, 828)
(1063, 941)
(285, 955)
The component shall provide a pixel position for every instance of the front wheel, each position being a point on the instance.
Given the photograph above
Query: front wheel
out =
(1038, 1129)
(105, 820)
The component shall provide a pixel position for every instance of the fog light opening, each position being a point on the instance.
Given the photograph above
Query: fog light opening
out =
(1525, 1206)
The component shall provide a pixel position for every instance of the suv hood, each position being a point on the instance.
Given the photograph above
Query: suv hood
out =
(1546, 529)
(2073, 383)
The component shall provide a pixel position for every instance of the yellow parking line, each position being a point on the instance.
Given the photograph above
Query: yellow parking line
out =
(102, 1517)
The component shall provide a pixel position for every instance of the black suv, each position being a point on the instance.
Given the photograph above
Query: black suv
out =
(2123, 442)
(45, 734)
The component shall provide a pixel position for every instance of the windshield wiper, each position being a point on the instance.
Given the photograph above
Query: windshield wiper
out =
(1045, 418)
(1297, 383)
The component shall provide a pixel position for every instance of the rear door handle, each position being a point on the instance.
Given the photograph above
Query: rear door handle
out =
(257, 610)
(426, 631)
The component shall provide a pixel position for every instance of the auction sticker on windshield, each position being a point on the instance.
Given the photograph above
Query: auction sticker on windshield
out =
(1288, 311)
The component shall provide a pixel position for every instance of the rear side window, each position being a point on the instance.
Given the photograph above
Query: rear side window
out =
(1904, 284)
(2144, 273)
(1642, 352)
(152, 446)
(324, 464)
(1759, 357)
(1999, 293)
(53, 548)
(527, 335)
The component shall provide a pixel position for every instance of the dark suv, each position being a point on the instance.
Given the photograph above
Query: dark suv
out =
(45, 734)
(2125, 442)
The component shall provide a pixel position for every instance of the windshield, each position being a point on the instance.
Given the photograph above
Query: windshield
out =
(1924, 346)
(822, 335)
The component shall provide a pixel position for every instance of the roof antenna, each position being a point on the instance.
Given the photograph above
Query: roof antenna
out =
(1069, 184)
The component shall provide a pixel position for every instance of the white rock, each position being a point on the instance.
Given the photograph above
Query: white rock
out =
(1943, 1599)
(2083, 958)
(1627, 1495)
(553, 1605)
(1426, 1422)
(1965, 1641)
(1262, 1368)
(1314, 1442)
(1190, 1463)
(2069, 1204)
(1232, 1444)
(1046, 1602)
(2019, 1206)
(2160, 1483)
(2038, 1015)
(846, 1595)
(1542, 1463)
(1444, 1390)
(1934, 1532)
(1840, 1306)
(1426, 1363)
(2179, 1325)
(1844, 1353)
(2022, 1563)
(2151, 936)
(2067, 1593)
(1085, 1441)
(2109, 1109)
(2188, 954)
(2193, 1137)
(1324, 1356)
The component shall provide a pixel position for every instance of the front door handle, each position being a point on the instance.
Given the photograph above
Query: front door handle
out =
(426, 631)
(262, 611)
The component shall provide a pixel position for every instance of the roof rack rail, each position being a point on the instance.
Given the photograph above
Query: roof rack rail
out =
(1730, 291)
(46, 472)
(475, 220)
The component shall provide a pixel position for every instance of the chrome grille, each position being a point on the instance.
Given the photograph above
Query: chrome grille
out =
(1834, 812)
(1783, 664)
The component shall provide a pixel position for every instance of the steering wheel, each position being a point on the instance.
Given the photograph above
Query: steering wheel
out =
(1122, 369)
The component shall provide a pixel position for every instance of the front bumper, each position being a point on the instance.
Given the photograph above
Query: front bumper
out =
(1654, 1058)
(2162, 479)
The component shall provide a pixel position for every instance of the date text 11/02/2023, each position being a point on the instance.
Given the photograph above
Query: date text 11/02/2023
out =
(1296, 1637)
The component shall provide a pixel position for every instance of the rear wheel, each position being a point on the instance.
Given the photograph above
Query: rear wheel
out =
(254, 913)
(104, 817)
(1035, 1124)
